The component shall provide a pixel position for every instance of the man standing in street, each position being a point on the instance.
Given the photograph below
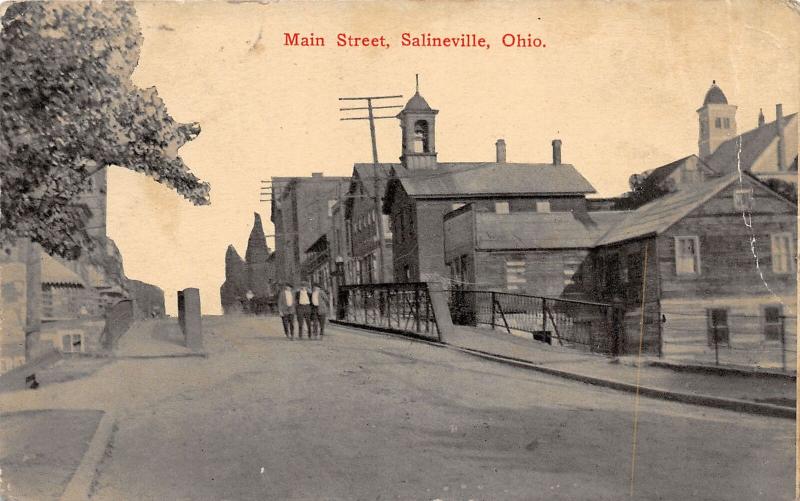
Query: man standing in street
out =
(303, 301)
(286, 310)
(319, 309)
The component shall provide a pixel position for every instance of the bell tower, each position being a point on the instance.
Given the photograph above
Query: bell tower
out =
(717, 121)
(418, 123)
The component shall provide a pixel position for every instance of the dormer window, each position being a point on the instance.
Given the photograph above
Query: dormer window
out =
(421, 143)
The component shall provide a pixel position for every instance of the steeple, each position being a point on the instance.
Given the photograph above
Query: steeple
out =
(761, 119)
(418, 123)
(717, 120)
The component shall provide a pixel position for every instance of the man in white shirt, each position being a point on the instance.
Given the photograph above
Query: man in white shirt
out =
(303, 308)
(286, 310)
(319, 309)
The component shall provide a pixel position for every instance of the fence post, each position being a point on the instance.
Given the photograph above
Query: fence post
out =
(544, 316)
(416, 308)
(716, 345)
(492, 303)
(783, 344)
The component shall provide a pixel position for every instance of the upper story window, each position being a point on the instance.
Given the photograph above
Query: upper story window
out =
(543, 206)
(331, 203)
(718, 123)
(421, 143)
(687, 255)
(726, 123)
(743, 199)
(501, 207)
(782, 252)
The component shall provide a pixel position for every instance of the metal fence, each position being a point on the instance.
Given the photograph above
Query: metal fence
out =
(402, 307)
(593, 326)
(743, 340)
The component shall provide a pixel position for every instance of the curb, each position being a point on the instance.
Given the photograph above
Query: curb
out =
(673, 396)
(723, 371)
(80, 485)
(172, 355)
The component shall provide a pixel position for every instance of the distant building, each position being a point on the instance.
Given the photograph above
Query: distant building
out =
(361, 224)
(249, 285)
(301, 211)
(422, 190)
(768, 151)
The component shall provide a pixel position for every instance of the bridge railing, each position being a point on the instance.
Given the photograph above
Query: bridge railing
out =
(401, 307)
(581, 324)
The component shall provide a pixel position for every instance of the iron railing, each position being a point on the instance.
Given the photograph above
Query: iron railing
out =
(593, 326)
(404, 307)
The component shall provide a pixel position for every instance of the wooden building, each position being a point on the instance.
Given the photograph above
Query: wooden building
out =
(717, 259)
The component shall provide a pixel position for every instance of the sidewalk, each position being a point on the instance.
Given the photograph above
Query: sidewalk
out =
(773, 396)
(153, 339)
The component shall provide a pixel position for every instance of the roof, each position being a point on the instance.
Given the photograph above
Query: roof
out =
(729, 157)
(366, 172)
(537, 230)
(417, 103)
(476, 179)
(715, 96)
(660, 214)
(56, 273)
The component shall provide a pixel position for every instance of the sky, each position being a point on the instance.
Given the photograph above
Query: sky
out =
(618, 82)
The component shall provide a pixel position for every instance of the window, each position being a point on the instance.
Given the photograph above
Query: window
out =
(773, 323)
(387, 230)
(743, 199)
(687, 255)
(457, 206)
(407, 273)
(72, 343)
(515, 274)
(634, 267)
(571, 272)
(421, 137)
(331, 203)
(718, 123)
(717, 326)
(726, 123)
(501, 207)
(543, 206)
(782, 253)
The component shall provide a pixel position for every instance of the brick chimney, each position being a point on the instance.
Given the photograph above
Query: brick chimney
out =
(556, 152)
(501, 151)
(781, 138)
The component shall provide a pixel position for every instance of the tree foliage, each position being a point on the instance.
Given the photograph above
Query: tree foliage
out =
(68, 108)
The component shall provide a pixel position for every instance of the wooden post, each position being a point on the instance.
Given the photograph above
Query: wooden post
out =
(716, 345)
(416, 309)
(544, 316)
(783, 345)
(493, 312)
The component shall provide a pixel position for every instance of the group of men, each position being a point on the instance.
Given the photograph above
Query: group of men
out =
(308, 304)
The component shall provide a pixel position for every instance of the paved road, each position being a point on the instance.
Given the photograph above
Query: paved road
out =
(364, 416)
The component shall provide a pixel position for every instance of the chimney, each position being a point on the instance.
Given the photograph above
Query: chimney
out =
(781, 139)
(556, 152)
(317, 174)
(501, 151)
(760, 117)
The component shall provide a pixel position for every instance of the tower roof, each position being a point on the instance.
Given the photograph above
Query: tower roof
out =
(715, 95)
(417, 103)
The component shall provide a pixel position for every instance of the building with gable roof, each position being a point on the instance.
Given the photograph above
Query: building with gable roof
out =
(421, 190)
(769, 151)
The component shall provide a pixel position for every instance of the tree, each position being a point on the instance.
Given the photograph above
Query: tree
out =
(68, 108)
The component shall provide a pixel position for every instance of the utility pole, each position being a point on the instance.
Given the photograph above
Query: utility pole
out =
(371, 117)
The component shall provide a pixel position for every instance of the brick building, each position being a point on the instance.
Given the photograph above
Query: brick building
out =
(301, 212)
(421, 190)
(361, 221)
